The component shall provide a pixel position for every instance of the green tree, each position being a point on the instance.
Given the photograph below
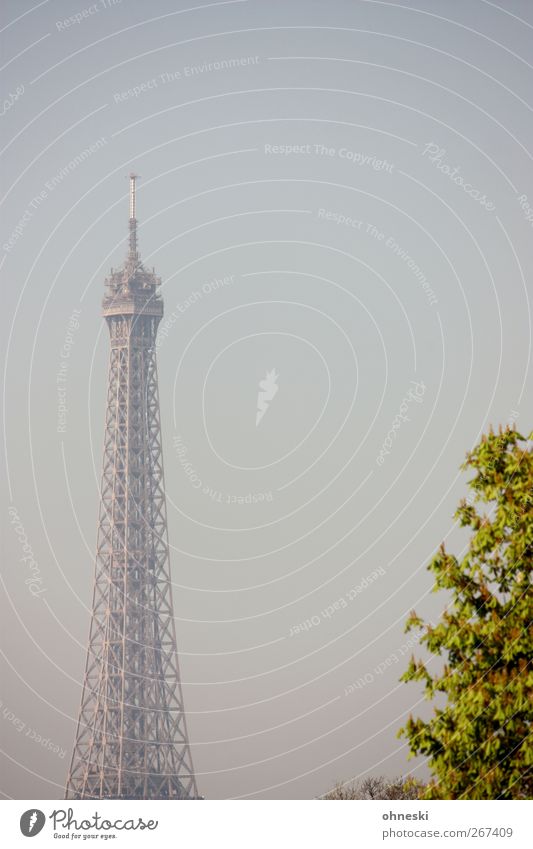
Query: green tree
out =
(480, 745)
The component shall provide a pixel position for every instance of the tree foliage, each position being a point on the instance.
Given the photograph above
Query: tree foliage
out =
(378, 787)
(480, 745)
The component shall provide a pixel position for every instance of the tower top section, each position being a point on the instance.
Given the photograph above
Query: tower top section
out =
(133, 179)
(133, 217)
(132, 288)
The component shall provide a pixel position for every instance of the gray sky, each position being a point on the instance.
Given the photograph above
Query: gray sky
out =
(337, 192)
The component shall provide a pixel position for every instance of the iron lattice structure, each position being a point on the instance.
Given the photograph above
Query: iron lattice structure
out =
(131, 738)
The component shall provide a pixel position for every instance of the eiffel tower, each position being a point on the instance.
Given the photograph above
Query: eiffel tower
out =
(131, 738)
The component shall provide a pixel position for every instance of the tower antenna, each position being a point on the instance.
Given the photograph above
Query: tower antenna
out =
(133, 218)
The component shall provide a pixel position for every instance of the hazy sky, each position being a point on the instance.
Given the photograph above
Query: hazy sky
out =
(336, 194)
